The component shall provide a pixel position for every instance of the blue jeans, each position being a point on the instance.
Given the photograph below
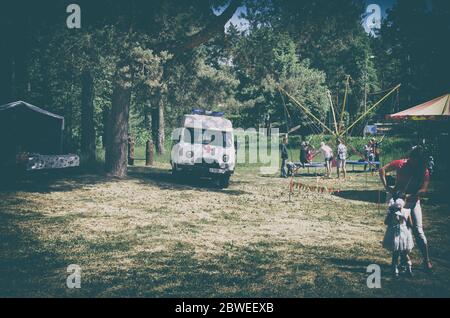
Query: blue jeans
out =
(283, 168)
(416, 213)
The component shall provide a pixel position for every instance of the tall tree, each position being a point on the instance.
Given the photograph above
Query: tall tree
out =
(160, 100)
(410, 54)
(330, 35)
(88, 144)
(115, 158)
(116, 146)
(265, 59)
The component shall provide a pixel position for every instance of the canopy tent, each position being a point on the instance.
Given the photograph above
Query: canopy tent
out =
(27, 128)
(435, 109)
(429, 122)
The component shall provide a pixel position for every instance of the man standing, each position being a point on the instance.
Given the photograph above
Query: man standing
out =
(412, 179)
(341, 159)
(284, 157)
(304, 153)
(327, 154)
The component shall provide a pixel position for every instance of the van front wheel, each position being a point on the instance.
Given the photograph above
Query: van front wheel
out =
(223, 181)
(175, 172)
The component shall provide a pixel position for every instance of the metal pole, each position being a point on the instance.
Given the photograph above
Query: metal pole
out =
(334, 114)
(311, 115)
(371, 108)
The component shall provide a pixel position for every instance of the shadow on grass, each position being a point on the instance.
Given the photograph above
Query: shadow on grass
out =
(46, 181)
(351, 265)
(116, 266)
(26, 266)
(165, 180)
(70, 179)
(371, 196)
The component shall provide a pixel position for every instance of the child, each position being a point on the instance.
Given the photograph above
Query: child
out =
(310, 153)
(398, 238)
(341, 159)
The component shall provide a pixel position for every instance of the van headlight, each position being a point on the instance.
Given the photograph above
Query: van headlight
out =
(225, 158)
(190, 154)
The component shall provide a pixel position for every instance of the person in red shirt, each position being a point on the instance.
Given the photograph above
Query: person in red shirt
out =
(412, 180)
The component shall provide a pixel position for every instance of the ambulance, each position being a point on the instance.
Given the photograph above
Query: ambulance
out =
(204, 146)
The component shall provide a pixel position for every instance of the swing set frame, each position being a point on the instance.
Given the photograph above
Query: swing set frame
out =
(339, 132)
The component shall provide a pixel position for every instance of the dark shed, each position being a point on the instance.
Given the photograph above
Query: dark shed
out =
(27, 128)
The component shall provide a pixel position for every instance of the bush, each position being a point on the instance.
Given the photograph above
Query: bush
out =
(392, 147)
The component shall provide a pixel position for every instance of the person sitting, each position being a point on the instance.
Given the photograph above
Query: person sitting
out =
(310, 153)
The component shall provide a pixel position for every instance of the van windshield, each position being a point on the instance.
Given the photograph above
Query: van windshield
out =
(208, 137)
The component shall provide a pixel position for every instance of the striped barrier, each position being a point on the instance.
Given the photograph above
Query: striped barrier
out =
(305, 187)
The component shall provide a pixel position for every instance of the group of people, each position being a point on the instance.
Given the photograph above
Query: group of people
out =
(341, 158)
(307, 153)
(404, 216)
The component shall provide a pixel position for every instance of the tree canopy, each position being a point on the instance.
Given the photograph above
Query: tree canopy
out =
(135, 67)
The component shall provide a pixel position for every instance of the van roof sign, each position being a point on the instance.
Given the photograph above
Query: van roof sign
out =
(207, 122)
(207, 113)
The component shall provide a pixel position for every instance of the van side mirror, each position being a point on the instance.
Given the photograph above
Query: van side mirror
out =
(176, 135)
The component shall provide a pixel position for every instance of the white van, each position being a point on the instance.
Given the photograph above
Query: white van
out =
(204, 146)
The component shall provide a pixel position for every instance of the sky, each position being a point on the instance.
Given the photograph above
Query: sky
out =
(242, 24)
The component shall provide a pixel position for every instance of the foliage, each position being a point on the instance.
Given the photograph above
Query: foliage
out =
(413, 49)
(306, 47)
(265, 60)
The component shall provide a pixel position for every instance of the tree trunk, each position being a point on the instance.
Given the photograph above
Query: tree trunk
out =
(149, 146)
(105, 121)
(161, 134)
(116, 146)
(154, 128)
(5, 75)
(87, 118)
(68, 145)
(149, 154)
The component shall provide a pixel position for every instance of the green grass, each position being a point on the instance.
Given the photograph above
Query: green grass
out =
(150, 235)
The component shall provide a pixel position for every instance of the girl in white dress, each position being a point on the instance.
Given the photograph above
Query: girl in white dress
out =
(399, 238)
